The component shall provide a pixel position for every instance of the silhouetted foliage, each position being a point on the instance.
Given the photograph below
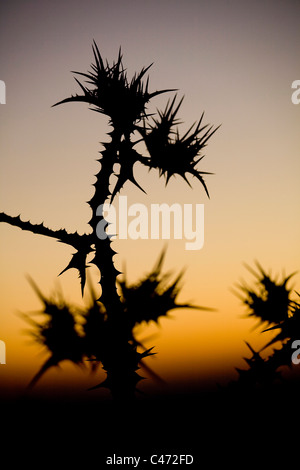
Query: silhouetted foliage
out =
(151, 298)
(89, 337)
(172, 154)
(107, 330)
(271, 302)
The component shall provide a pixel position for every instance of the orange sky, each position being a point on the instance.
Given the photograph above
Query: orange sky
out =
(237, 63)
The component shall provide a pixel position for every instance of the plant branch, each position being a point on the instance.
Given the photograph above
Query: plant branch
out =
(73, 239)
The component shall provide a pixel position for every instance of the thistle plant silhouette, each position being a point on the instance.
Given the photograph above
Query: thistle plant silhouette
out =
(271, 303)
(107, 333)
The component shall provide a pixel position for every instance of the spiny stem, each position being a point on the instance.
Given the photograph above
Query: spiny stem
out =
(104, 253)
(73, 239)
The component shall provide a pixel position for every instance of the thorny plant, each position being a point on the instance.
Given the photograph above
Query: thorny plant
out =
(272, 305)
(107, 335)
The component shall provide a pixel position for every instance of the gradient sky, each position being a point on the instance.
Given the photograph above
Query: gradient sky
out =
(236, 61)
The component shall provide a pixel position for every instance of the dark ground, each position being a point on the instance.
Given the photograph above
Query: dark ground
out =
(225, 428)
